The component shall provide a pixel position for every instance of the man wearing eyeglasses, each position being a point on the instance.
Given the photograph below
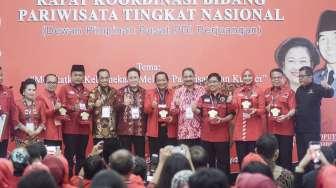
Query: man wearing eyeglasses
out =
(308, 114)
(53, 133)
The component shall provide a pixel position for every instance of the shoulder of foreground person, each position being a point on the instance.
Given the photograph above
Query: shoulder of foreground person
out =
(135, 181)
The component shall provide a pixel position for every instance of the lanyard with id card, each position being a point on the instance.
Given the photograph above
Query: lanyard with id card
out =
(189, 114)
(135, 112)
(106, 112)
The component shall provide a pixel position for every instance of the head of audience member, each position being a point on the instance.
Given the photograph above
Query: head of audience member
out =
(294, 53)
(188, 77)
(252, 157)
(133, 77)
(326, 36)
(181, 178)
(277, 77)
(103, 76)
(56, 167)
(174, 163)
(254, 180)
(326, 177)
(258, 167)
(20, 160)
(37, 179)
(214, 82)
(199, 156)
(92, 165)
(248, 77)
(50, 82)
(161, 80)
(267, 146)
(28, 89)
(122, 162)
(333, 147)
(6, 172)
(328, 153)
(140, 167)
(36, 166)
(305, 76)
(34, 150)
(107, 179)
(77, 74)
(208, 178)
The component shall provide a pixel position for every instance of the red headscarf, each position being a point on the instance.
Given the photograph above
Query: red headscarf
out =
(250, 158)
(56, 167)
(6, 173)
(248, 180)
(35, 167)
(326, 177)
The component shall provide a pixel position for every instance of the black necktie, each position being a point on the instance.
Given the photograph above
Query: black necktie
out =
(331, 77)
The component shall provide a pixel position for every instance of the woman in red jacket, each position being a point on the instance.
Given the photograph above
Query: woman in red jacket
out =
(30, 116)
(249, 103)
(161, 129)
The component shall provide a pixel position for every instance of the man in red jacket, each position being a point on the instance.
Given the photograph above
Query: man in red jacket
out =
(74, 97)
(51, 103)
(7, 108)
(161, 127)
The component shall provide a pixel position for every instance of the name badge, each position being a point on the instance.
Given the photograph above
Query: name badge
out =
(189, 113)
(162, 106)
(135, 112)
(82, 106)
(106, 112)
(30, 126)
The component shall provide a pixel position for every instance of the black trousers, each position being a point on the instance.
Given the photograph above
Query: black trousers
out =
(138, 142)
(189, 142)
(75, 146)
(302, 142)
(243, 148)
(110, 145)
(3, 148)
(285, 151)
(218, 155)
(156, 143)
(53, 143)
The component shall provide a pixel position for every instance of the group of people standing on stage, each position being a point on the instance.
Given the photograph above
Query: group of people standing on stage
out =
(191, 114)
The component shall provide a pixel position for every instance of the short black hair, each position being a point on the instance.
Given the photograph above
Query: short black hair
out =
(160, 72)
(199, 156)
(208, 178)
(47, 75)
(140, 167)
(308, 70)
(266, 145)
(102, 70)
(107, 179)
(276, 70)
(37, 179)
(133, 69)
(285, 46)
(34, 151)
(188, 69)
(121, 161)
(25, 83)
(92, 165)
(328, 153)
(258, 167)
(214, 74)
